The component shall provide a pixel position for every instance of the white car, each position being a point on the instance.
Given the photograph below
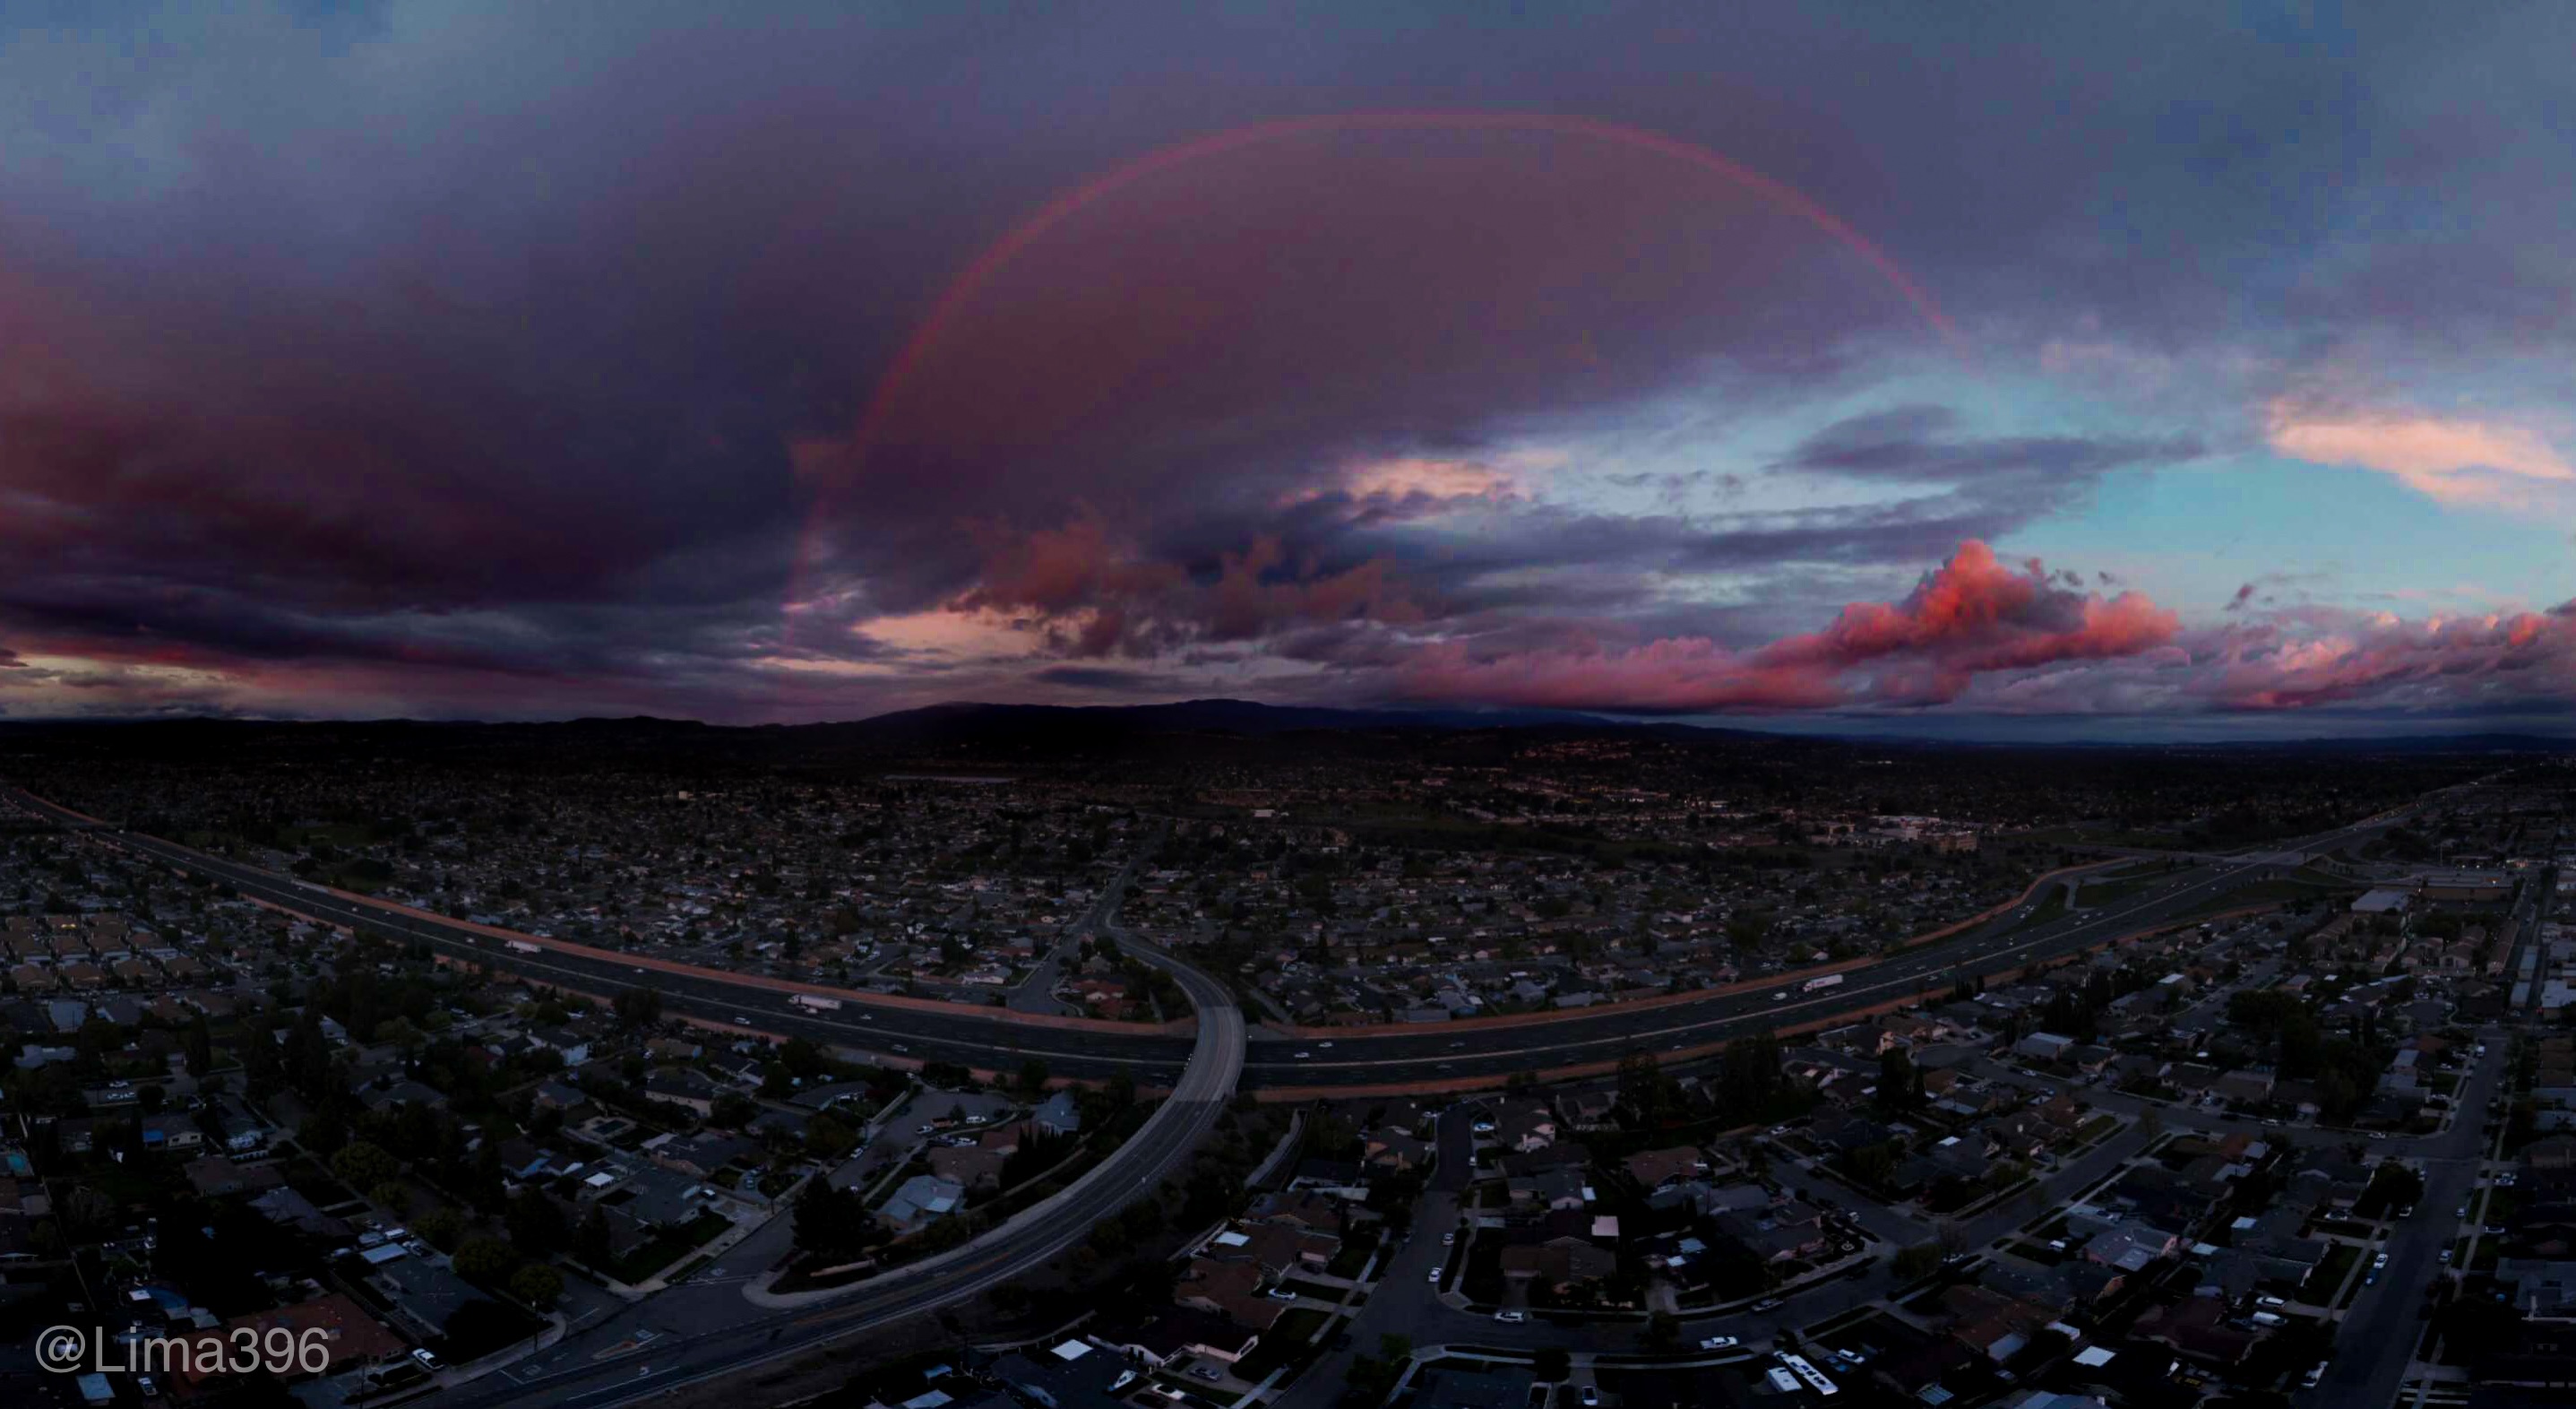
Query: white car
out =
(1304, 1055)
(427, 1361)
(1511, 1318)
(1720, 1343)
(1435, 1276)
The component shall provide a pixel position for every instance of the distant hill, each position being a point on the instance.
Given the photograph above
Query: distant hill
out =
(1230, 727)
(960, 720)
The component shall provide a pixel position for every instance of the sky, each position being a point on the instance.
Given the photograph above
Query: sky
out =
(2011, 370)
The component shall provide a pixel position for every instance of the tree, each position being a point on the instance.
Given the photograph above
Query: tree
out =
(1662, 1331)
(199, 1045)
(590, 1240)
(832, 1225)
(361, 1164)
(1033, 1076)
(1900, 1086)
(536, 1284)
(536, 1222)
(1916, 1260)
(440, 1228)
(393, 1196)
(484, 1259)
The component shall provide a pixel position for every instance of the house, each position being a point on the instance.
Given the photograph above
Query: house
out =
(1563, 1263)
(2043, 1046)
(1500, 1388)
(922, 1200)
(1653, 1169)
(973, 1166)
(1073, 1374)
(684, 1087)
(1555, 1189)
(1059, 1114)
(1524, 1126)
(1587, 1110)
(1176, 1331)
(1228, 1289)
(347, 1335)
(171, 1130)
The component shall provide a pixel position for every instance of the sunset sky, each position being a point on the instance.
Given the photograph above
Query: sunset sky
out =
(1988, 371)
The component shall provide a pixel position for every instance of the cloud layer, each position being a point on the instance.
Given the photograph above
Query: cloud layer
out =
(464, 359)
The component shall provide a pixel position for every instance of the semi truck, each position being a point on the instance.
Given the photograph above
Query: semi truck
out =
(521, 946)
(815, 1001)
(1828, 981)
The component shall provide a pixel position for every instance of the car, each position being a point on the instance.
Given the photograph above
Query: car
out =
(746, 1022)
(1769, 1303)
(2057, 1245)
(2446, 1257)
(1435, 1276)
(2270, 1301)
(1301, 1056)
(899, 1047)
(1323, 1045)
(1511, 1318)
(2379, 1135)
(1720, 1343)
(2316, 1372)
(2379, 1260)
(1207, 1372)
(1591, 1397)
(1454, 1046)
(1449, 1240)
(2406, 1212)
(427, 1361)
(147, 1387)
(1280, 1294)
(1780, 997)
(924, 1129)
(2463, 1213)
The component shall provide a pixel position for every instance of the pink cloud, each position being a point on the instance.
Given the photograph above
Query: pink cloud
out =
(1973, 616)
(2386, 659)
(2453, 461)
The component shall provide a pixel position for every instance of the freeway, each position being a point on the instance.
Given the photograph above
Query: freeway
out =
(1443, 1052)
(713, 1328)
(987, 1038)
(996, 1039)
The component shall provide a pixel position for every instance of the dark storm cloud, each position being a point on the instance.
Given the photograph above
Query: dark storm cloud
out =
(487, 343)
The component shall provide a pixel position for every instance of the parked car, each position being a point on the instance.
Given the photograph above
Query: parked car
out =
(1511, 1318)
(1720, 1343)
(1769, 1303)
